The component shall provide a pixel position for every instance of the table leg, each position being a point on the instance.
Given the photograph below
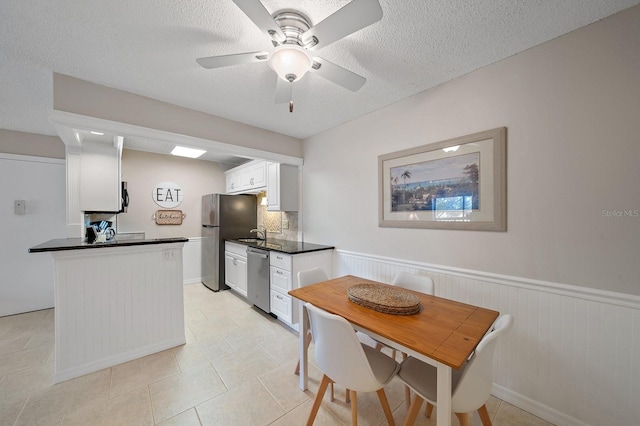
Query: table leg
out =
(444, 395)
(302, 347)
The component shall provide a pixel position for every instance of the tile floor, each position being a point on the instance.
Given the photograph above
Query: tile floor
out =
(236, 369)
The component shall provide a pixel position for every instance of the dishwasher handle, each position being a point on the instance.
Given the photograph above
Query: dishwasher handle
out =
(258, 253)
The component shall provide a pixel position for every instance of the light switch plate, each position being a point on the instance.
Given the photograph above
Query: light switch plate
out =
(19, 207)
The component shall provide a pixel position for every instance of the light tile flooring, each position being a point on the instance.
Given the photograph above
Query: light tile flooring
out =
(236, 369)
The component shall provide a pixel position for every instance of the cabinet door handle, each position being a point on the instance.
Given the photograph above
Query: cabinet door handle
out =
(235, 261)
(278, 297)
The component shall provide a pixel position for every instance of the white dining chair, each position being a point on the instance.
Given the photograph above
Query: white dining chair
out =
(355, 366)
(419, 283)
(305, 278)
(470, 386)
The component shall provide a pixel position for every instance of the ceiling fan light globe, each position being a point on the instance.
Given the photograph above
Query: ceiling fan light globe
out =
(290, 61)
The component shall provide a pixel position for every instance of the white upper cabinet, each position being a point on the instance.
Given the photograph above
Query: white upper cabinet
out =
(249, 178)
(282, 187)
(279, 180)
(100, 183)
(255, 177)
(233, 182)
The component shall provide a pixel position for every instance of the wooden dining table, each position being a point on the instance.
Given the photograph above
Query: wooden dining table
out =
(444, 333)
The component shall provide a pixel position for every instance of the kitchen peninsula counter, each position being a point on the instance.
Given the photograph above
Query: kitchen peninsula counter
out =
(81, 244)
(114, 301)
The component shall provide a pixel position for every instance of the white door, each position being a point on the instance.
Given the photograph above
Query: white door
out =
(27, 279)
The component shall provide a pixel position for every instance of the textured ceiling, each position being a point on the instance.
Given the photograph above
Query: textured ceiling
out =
(149, 47)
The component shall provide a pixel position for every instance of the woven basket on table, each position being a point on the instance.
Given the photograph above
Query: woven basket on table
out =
(386, 299)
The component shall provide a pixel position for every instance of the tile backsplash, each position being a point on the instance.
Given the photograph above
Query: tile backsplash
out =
(280, 225)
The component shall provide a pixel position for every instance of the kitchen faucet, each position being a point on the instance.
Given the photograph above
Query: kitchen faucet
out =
(260, 234)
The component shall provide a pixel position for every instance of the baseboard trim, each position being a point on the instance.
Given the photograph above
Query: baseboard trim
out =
(81, 370)
(544, 412)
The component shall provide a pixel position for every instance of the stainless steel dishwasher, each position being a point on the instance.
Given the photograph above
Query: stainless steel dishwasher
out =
(258, 278)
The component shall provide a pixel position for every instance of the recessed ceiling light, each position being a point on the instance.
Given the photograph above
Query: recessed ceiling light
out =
(93, 132)
(187, 152)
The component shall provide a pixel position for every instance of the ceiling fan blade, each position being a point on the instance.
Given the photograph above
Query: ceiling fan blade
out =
(260, 16)
(338, 75)
(283, 91)
(228, 60)
(352, 17)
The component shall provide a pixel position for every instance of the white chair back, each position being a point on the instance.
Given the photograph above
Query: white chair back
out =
(311, 276)
(420, 283)
(338, 351)
(474, 387)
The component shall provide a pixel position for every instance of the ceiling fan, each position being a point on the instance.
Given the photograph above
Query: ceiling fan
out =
(294, 40)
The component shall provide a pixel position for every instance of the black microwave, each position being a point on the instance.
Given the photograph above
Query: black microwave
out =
(124, 198)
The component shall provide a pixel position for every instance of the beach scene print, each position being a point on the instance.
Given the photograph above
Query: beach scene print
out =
(448, 185)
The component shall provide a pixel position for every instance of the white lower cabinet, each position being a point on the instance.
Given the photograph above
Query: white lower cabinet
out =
(284, 270)
(281, 307)
(235, 267)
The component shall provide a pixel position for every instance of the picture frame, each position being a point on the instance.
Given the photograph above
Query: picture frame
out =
(458, 183)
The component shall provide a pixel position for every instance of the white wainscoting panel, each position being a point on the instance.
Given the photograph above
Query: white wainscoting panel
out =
(116, 304)
(573, 356)
(192, 261)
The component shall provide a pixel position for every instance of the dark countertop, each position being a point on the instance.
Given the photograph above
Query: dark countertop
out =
(81, 244)
(284, 246)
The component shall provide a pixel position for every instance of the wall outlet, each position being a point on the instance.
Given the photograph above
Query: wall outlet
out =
(169, 254)
(285, 223)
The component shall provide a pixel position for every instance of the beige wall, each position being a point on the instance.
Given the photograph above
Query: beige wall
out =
(20, 143)
(82, 97)
(142, 171)
(572, 110)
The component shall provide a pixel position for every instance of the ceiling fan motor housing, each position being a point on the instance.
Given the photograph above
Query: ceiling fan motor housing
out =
(293, 24)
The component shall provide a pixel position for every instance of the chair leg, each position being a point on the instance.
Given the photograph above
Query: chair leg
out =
(413, 411)
(354, 408)
(385, 407)
(484, 415)
(307, 342)
(464, 419)
(429, 410)
(318, 400)
(407, 390)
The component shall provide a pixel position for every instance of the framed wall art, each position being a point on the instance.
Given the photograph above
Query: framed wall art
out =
(459, 183)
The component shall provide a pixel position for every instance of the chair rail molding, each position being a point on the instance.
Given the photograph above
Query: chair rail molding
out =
(602, 296)
(569, 346)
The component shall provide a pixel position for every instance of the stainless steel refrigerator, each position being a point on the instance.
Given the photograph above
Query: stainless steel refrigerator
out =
(223, 217)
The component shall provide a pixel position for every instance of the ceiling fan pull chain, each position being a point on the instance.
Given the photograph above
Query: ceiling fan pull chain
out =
(291, 99)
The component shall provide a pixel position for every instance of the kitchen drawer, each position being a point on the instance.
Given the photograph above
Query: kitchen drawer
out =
(281, 260)
(280, 280)
(239, 249)
(281, 306)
